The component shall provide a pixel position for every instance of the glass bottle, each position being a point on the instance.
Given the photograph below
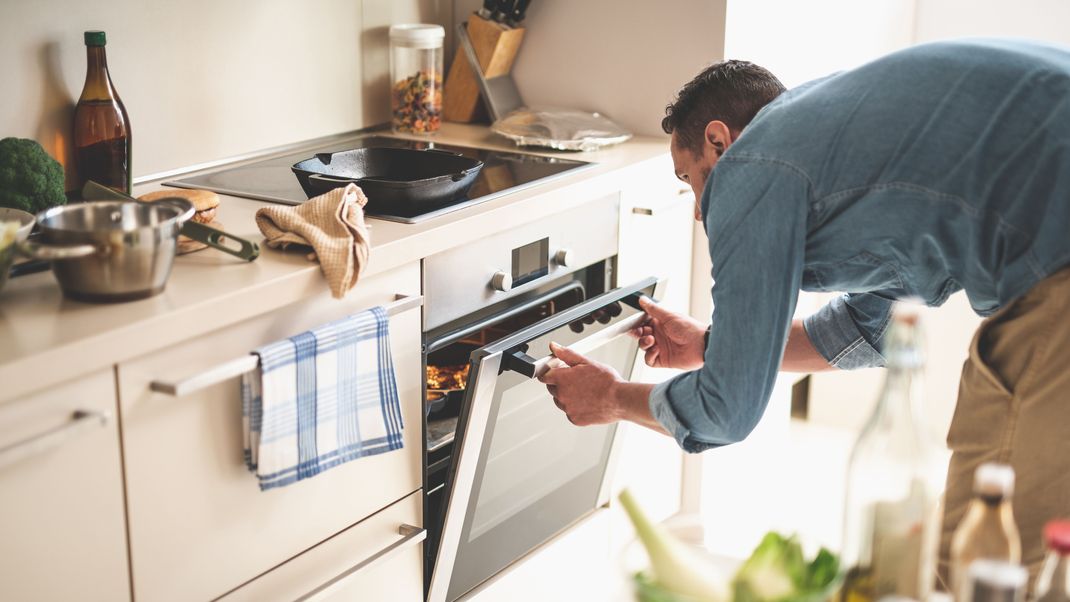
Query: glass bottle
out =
(102, 142)
(416, 78)
(1053, 583)
(987, 580)
(988, 530)
(891, 527)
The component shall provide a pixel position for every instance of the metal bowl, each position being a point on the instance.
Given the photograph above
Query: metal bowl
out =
(108, 251)
(9, 248)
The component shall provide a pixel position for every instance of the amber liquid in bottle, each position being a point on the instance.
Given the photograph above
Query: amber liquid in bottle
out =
(102, 140)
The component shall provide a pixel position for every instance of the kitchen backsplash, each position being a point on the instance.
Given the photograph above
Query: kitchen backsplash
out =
(204, 80)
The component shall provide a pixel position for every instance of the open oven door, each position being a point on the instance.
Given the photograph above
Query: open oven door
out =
(522, 472)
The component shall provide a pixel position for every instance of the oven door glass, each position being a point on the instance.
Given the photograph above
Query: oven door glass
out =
(522, 472)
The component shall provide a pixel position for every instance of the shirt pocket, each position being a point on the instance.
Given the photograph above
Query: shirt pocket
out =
(862, 273)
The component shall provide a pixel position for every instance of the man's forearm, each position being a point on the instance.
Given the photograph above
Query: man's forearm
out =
(633, 401)
(800, 355)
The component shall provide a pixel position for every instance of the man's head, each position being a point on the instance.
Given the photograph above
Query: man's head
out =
(710, 112)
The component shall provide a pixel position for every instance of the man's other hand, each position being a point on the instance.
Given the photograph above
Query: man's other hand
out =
(670, 340)
(583, 389)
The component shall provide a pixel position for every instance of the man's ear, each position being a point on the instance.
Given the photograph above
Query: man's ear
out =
(718, 136)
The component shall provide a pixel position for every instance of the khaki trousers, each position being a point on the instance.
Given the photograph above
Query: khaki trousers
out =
(1014, 407)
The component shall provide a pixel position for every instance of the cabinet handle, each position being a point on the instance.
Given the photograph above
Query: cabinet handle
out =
(410, 536)
(79, 421)
(238, 366)
(656, 209)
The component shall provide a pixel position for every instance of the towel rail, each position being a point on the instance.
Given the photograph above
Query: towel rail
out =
(241, 365)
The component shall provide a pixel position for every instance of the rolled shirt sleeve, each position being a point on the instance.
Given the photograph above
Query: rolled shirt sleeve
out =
(755, 214)
(847, 331)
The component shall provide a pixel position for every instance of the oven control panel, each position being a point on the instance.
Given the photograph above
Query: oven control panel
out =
(467, 278)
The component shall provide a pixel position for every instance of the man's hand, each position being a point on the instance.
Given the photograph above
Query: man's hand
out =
(583, 389)
(671, 340)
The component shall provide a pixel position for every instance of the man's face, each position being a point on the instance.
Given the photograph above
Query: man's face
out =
(693, 169)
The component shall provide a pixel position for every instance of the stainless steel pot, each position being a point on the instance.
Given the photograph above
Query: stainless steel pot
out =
(111, 250)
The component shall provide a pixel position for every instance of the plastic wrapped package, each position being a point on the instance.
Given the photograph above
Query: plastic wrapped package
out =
(560, 129)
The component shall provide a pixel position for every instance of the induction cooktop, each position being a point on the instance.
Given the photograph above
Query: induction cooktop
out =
(271, 179)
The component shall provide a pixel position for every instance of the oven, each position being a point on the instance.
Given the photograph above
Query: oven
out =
(505, 471)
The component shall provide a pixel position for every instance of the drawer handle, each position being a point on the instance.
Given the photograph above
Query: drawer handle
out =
(247, 363)
(80, 420)
(410, 536)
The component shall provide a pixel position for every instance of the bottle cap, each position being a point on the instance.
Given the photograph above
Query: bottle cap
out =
(418, 35)
(1057, 536)
(903, 345)
(994, 479)
(95, 38)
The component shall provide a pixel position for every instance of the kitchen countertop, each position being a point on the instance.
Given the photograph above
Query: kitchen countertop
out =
(48, 339)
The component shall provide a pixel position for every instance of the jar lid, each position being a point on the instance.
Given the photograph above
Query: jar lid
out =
(1057, 535)
(418, 35)
(95, 38)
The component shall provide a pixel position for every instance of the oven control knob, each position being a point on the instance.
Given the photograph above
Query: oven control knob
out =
(565, 258)
(501, 281)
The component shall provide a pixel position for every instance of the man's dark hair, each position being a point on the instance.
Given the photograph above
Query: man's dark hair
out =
(728, 91)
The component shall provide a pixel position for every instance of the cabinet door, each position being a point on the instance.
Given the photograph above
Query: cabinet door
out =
(656, 235)
(380, 558)
(656, 240)
(61, 494)
(199, 525)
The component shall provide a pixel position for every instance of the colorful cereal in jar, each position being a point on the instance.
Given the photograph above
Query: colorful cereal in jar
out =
(417, 103)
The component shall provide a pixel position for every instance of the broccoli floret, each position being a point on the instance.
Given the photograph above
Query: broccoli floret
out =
(30, 179)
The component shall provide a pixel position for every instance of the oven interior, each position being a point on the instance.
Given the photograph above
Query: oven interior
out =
(447, 352)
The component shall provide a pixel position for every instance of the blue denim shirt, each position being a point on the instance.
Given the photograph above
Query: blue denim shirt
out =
(939, 168)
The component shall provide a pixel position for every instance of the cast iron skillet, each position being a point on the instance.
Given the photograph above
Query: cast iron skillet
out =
(396, 176)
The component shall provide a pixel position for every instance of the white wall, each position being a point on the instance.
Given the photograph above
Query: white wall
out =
(799, 41)
(1047, 20)
(623, 59)
(202, 79)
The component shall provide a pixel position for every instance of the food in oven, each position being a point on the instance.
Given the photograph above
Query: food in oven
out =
(446, 377)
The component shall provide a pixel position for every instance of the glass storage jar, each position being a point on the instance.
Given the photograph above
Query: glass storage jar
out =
(416, 77)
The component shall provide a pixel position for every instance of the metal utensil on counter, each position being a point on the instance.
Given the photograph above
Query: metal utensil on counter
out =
(10, 250)
(217, 239)
(500, 94)
(107, 251)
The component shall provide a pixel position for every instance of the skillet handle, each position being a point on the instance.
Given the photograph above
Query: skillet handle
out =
(442, 152)
(334, 179)
(215, 238)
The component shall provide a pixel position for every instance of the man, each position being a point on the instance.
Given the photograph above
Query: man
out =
(940, 168)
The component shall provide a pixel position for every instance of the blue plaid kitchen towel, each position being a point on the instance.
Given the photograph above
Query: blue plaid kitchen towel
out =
(321, 398)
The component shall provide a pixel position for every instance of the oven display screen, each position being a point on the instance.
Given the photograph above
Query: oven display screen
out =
(531, 261)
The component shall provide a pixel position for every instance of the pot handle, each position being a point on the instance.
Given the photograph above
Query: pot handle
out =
(248, 250)
(55, 252)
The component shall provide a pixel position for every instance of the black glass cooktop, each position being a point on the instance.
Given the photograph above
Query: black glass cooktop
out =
(271, 179)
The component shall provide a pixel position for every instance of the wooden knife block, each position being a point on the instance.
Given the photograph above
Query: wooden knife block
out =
(496, 46)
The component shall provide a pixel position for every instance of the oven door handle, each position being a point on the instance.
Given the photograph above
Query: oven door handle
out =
(520, 362)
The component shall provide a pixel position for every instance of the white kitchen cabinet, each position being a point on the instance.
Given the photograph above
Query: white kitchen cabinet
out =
(379, 558)
(656, 231)
(655, 240)
(199, 525)
(61, 494)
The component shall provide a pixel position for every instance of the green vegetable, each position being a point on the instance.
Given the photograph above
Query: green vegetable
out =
(777, 571)
(676, 567)
(30, 179)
